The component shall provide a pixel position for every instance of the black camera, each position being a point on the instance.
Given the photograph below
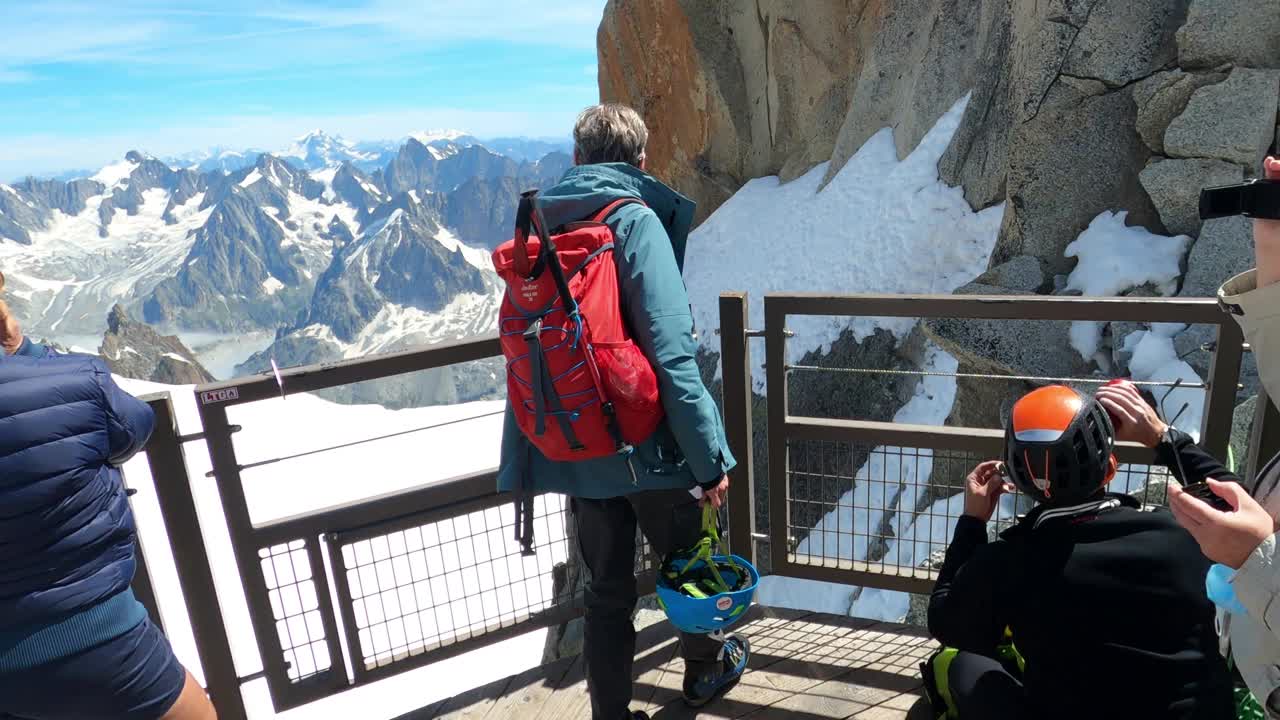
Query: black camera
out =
(1256, 199)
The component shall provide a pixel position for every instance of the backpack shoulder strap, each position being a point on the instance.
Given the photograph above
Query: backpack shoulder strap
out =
(604, 212)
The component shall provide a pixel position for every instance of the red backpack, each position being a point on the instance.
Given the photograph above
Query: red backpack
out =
(578, 384)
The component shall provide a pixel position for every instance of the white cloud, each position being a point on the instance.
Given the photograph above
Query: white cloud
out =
(564, 23)
(145, 32)
(591, 70)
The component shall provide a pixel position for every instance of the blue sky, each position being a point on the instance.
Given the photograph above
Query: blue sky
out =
(81, 83)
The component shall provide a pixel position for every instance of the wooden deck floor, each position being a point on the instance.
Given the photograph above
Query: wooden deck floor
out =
(804, 666)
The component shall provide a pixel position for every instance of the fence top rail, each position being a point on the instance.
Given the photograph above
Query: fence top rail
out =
(922, 437)
(380, 508)
(309, 378)
(1001, 307)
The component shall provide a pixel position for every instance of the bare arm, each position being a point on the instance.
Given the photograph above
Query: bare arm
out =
(1266, 236)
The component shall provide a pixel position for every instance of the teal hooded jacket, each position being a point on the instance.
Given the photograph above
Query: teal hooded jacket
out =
(689, 447)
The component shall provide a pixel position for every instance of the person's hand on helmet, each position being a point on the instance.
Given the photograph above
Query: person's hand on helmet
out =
(1225, 537)
(1134, 419)
(716, 494)
(982, 490)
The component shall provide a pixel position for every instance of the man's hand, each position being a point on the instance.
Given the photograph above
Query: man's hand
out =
(1266, 235)
(982, 490)
(716, 495)
(1225, 537)
(1135, 420)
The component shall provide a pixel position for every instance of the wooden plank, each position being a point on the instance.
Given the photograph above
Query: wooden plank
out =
(473, 704)
(907, 701)
(804, 666)
(424, 713)
(882, 712)
(846, 688)
(660, 679)
(818, 705)
(527, 692)
(568, 700)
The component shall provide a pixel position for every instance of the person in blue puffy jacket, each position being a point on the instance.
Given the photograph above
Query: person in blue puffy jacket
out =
(74, 642)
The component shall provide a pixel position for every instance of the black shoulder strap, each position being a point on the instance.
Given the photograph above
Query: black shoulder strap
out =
(529, 217)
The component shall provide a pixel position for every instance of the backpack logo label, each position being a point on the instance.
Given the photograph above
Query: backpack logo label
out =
(213, 397)
(724, 603)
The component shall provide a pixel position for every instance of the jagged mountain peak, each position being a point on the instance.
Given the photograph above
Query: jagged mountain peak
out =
(426, 137)
(316, 141)
(318, 150)
(272, 178)
(135, 350)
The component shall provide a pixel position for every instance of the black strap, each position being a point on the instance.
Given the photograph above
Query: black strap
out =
(529, 213)
(607, 247)
(533, 338)
(524, 522)
(520, 258)
(544, 389)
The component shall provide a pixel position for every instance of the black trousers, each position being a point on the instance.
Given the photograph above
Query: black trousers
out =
(982, 688)
(671, 520)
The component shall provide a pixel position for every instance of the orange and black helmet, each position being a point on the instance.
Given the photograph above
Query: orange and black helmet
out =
(1058, 446)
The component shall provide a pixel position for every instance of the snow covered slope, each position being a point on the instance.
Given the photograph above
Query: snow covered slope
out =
(879, 226)
(888, 480)
(317, 150)
(71, 273)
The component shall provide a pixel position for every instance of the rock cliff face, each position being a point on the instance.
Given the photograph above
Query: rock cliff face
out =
(1078, 106)
(134, 350)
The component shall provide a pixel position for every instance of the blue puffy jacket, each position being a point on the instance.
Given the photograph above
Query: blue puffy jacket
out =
(67, 537)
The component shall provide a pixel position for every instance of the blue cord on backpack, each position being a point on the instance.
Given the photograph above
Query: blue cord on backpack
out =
(1223, 594)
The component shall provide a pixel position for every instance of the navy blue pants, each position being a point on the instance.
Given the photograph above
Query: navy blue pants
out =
(134, 677)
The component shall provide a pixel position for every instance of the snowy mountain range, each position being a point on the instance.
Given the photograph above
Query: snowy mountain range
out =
(318, 150)
(322, 251)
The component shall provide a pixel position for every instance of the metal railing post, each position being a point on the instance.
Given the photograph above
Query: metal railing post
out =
(195, 575)
(735, 360)
(1264, 441)
(285, 693)
(143, 589)
(775, 351)
(1224, 376)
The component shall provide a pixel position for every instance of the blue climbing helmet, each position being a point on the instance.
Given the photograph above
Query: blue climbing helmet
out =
(703, 592)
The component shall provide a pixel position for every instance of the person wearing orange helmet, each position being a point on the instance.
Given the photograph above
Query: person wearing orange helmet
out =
(1094, 587)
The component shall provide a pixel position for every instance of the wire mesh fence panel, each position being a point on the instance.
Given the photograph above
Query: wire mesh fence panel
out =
(460, 578)
(448, 581)
(1147, 483)
(872, 507)
(296, 609)
(892, 510)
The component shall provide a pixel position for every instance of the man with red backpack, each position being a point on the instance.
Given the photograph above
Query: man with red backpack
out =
(606, 403)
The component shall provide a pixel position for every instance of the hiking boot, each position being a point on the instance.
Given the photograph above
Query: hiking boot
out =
(702, 689)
